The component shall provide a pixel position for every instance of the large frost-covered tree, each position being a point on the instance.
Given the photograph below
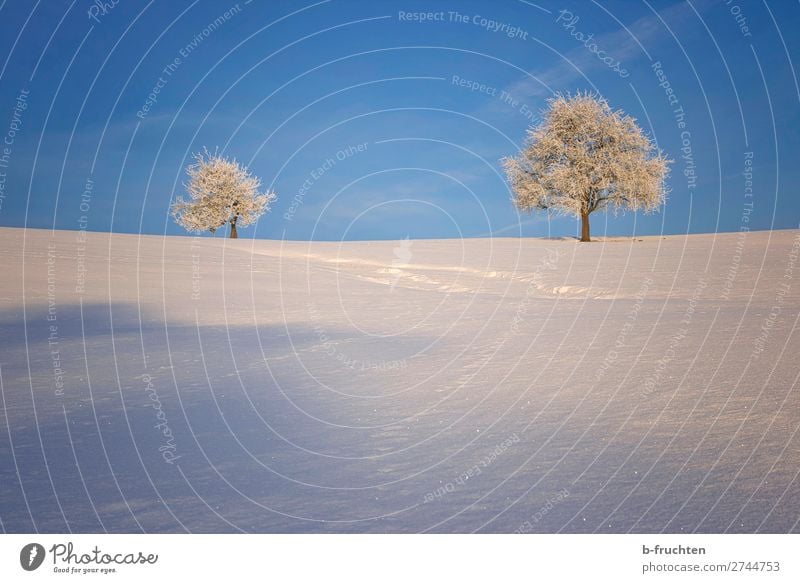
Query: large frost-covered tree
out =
(584, 157)
(221, 191)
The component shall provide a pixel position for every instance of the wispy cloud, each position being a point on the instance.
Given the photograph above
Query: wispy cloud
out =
(626, 45)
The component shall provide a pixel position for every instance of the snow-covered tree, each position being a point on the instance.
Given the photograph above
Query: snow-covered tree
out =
(584, 157)
(220, 191)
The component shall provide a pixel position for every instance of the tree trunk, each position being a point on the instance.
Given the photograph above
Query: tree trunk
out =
(234, 234)
(585, 228)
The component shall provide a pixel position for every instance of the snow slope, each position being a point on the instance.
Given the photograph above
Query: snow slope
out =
(167, 384)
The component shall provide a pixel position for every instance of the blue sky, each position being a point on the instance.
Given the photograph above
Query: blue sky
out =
(370, 124)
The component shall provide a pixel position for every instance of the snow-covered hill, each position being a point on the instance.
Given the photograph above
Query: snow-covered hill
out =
(168, 384)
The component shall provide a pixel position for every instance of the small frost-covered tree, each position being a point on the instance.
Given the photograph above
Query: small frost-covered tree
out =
(584, 157)
(221, 191)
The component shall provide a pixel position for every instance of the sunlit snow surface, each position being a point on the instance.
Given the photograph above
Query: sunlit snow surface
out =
(496, 385)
